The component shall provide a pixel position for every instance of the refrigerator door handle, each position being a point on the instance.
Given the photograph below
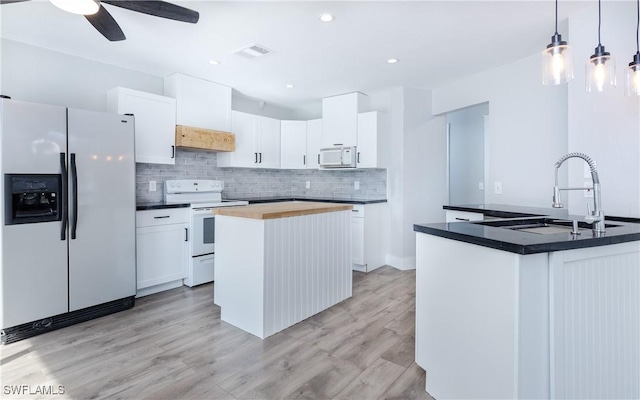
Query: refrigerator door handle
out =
(63, 194)
(74, 178)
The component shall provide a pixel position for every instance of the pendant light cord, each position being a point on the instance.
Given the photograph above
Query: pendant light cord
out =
(638, 30)
(557, 16)
(599, 21)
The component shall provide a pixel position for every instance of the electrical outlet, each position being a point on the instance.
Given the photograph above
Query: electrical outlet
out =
(307, 184)
(497, 187)
(480, 185)
(356, 185)
(152, 186)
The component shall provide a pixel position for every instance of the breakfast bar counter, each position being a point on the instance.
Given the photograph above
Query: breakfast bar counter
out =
(280, 263)
(524, 308)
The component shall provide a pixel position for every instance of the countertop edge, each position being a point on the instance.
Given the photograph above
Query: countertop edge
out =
(259, 212)
(494, 211)
(159, 206)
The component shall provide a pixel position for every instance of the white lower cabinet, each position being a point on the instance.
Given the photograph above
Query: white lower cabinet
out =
(367, 250)
(162, 255)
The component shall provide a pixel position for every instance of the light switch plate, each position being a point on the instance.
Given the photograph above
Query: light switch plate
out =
(307, 184)
(152, 186)
(480, 185)
(356, 185)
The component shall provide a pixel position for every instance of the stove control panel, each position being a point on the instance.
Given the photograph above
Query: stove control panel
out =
(193, 186)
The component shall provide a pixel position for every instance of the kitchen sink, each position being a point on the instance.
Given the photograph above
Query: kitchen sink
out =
(540, 226)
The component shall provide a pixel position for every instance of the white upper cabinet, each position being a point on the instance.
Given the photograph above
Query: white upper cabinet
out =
(371, 148)
(293, 137)
(268, 142)
(200, 103)
(340, 119)
(257, 142)
(314, 143)
(155, 123)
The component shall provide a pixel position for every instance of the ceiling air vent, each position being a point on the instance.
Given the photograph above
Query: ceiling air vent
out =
(254, 51)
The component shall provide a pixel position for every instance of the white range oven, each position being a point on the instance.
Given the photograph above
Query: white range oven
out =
(204, 196)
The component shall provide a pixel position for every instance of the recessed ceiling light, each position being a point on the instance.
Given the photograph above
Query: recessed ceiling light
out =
(326, 18)
(392, 60)
(289, 86)
(214, 62)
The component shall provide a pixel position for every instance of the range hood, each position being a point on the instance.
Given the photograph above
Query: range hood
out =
(207, 139)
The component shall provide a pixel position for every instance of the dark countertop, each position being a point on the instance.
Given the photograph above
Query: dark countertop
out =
(520, 242)
(257, 200)
(507, 211)
(158, 205)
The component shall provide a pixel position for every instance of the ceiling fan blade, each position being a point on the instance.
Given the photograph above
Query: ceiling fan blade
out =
(159, 9)
(11, 1)
(106, 25)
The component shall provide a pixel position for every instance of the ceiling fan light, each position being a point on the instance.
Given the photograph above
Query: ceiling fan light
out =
(84, 7)
(557, 62)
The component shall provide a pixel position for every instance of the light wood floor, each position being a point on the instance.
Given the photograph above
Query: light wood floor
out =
(173, 345)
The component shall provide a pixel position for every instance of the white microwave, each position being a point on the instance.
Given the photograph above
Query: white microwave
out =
(338, 157)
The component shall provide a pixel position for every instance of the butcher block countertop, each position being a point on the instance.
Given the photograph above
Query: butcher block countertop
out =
(281, 210)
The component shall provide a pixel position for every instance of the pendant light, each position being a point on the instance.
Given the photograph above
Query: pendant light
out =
(601, 66)
(557, 61)
(632, 86)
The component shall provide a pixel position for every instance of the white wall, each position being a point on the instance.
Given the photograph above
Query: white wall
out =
(528, 128)
(534, 125)
(605, 126)
(466, 154)
(39, 75)
(416, 173)
(249, 105)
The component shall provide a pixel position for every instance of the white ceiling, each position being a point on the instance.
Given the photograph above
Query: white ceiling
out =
(435, 41)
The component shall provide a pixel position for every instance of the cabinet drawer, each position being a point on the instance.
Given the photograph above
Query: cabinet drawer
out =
(358, 210)
(162, 217)
(463, 216)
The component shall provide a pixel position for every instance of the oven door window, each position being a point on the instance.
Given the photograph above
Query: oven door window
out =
(208, 230)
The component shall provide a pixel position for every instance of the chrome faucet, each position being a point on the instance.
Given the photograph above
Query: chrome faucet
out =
(595, 217)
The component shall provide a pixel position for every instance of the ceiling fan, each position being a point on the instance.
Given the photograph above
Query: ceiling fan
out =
(100, 18)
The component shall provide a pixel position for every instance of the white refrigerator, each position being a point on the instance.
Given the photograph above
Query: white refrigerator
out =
(68, 226)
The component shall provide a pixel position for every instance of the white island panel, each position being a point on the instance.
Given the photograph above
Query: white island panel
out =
(308, 267)
(468, 307)
(596, 322)
(274, 273)
(239, 272)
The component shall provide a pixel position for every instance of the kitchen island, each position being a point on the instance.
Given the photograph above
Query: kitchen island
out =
(503, 312)
(279, 263)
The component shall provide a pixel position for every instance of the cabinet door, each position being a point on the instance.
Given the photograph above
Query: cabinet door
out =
(268, 142)
(340, 120)
(314, 143)
(293, 149)
(357, 240)
(200, 103)
(367, 149)
(246, 153)
(155, 123)
(162, 254)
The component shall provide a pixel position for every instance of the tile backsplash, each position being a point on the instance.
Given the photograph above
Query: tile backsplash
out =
(242, 183)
